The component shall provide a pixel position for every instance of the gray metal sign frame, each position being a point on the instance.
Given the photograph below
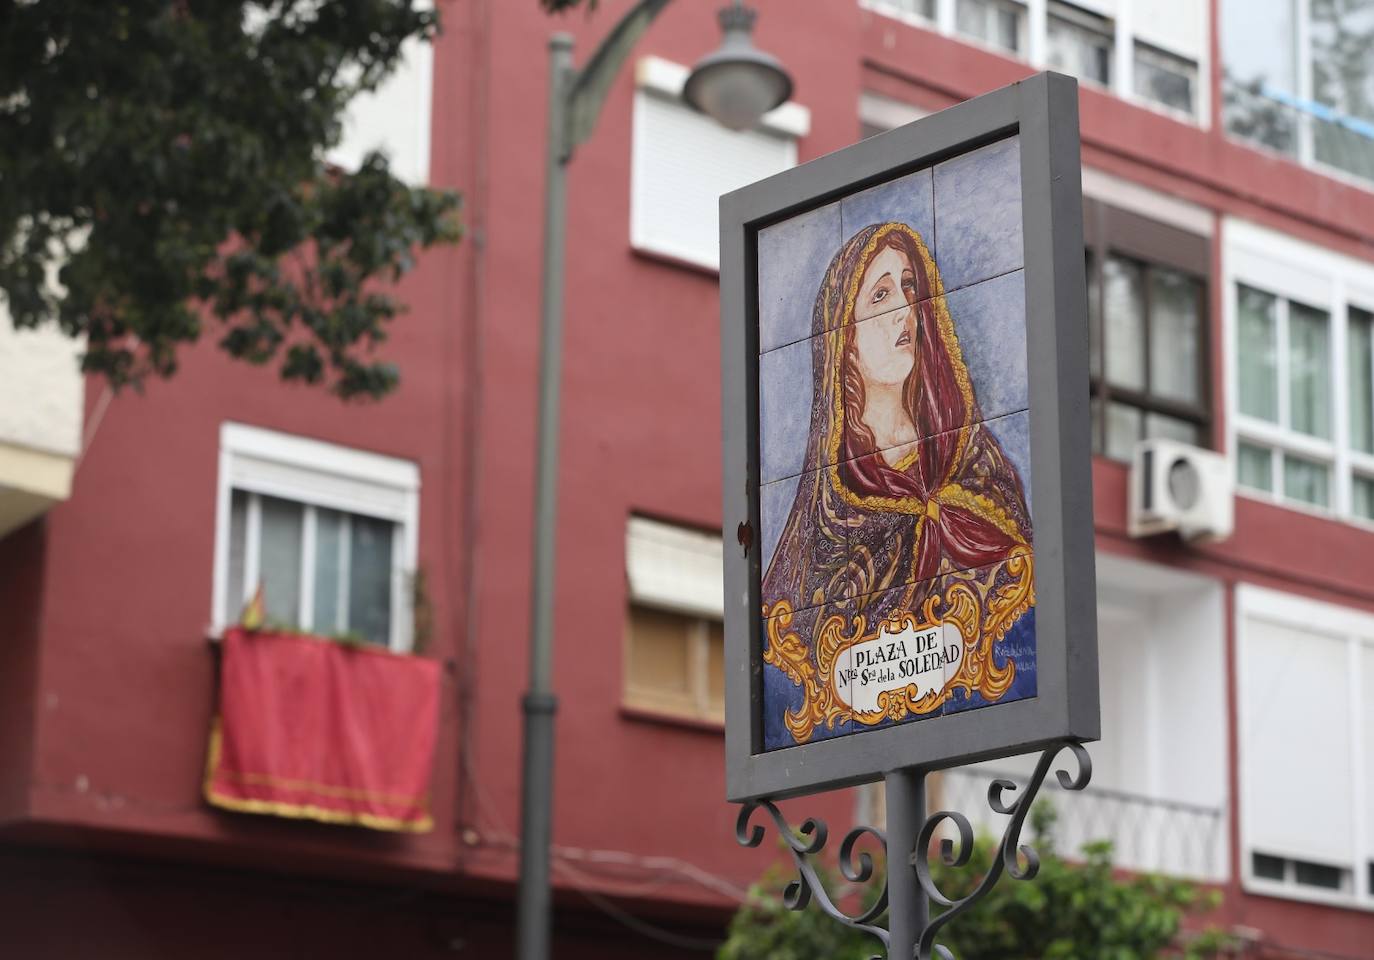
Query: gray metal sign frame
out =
(1043, 110)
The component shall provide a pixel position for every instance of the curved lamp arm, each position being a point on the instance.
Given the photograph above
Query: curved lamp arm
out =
(587, 88)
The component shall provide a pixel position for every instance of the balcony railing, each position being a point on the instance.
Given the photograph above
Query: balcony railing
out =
(1312, 133)
(1148, 834)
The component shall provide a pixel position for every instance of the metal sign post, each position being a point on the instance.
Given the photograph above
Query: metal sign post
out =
(904, 329)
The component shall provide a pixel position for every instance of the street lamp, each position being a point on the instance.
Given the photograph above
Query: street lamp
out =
(736, 85)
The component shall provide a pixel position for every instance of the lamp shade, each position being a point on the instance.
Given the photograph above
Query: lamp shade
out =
(738, 83)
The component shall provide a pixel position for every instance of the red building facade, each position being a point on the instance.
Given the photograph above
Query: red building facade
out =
(108, 668)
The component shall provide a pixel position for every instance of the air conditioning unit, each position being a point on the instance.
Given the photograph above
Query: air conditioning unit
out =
(1176, 486)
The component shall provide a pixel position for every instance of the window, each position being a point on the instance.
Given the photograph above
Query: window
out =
(999, 23)
(1079, 43)
(1342, 55)
(1300, 872)
(1164, 43)
(1286, 647)
(1302, 335)
(394, 118)
(1361, 378)
(329, 533)
(1301, 370)
(682, 161)
(674, 640)
(1299, 79)
(1165, 79)
(1148, 329)
(905, 9)
(878, 114)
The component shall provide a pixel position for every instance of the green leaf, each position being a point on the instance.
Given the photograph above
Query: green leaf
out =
(162, 159)
(1069, 911)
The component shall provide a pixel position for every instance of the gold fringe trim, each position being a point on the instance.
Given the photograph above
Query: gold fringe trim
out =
(308, 811)
(304, 811)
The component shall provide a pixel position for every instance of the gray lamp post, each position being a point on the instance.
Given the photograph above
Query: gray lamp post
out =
(736, 85)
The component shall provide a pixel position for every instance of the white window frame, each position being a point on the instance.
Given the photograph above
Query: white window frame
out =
(888, 9)
(262, 462)
(887, 113)
(664, 80)
(1095, 23)
(1200, 83)
(1035, 24)
(1357, 630)
(1292, 269)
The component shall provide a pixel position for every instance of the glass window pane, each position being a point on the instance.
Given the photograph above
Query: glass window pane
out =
(238, 539)
(279, 566)
(1270, 868)
(1171, 428)
(971, 18)
(1094, 319)
(1080, 45)
(1124, 309)
(1306, 482)
(1337, 145)
(1255, 467)
(369, 579)
(992, 21)
(1259, 53)
(1342, 41)
(1309, 370)
(1008, 27)
(1124, 425)
(1175, 334)
(1253, 35)
(1360, 354)
(1362, 501)
(1256, 352)
(1165, 78)
(1319, 875)
(922, 8)
(328, 567)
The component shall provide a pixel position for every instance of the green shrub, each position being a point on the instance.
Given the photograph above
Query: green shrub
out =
(1069, 911)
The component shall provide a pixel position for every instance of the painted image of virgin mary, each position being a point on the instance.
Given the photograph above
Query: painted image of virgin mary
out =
(909, 523)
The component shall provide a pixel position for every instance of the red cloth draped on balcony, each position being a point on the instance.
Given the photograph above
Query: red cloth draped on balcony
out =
(313, 729)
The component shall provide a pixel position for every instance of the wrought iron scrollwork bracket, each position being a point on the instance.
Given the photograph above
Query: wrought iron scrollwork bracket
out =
(1014, 858)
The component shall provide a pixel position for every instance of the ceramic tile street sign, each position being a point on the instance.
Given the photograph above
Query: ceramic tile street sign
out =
(907, 457)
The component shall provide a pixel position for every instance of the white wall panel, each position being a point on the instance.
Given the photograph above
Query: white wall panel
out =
(395, 118)
(41, 388)
(1161, 660)
(1296, 724)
